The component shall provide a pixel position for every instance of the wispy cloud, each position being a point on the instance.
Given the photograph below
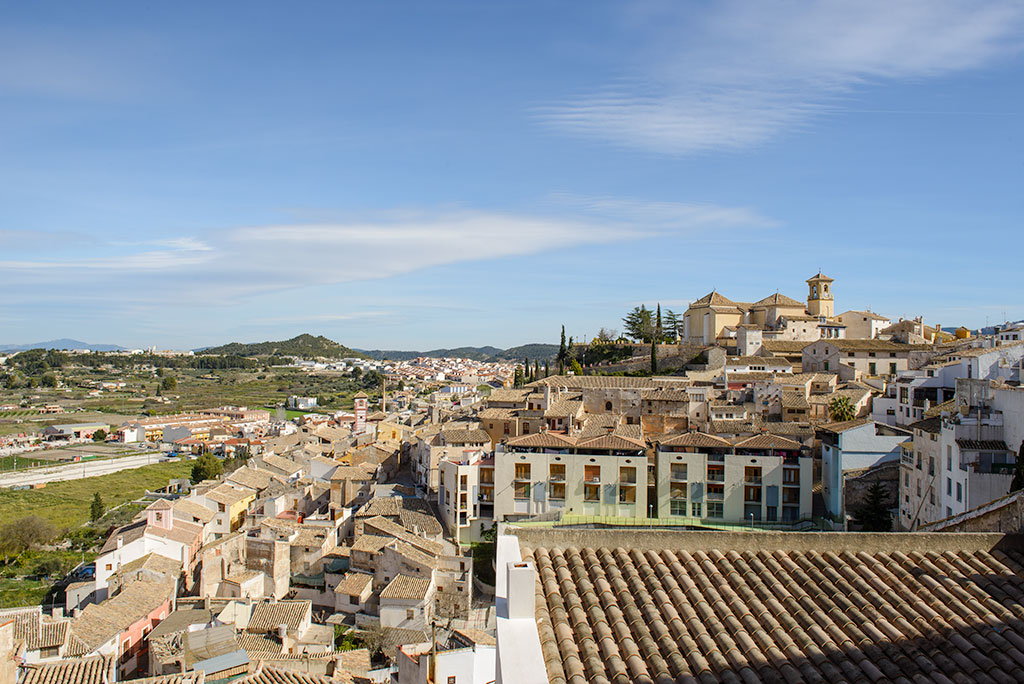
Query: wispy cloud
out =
(746, 72)
(230, 265)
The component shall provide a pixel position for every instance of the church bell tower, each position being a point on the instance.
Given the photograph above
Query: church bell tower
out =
(819, 296)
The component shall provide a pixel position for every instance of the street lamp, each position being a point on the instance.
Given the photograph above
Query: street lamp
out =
(751, 520)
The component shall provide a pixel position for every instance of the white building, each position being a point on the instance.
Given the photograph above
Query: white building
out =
(854, 445)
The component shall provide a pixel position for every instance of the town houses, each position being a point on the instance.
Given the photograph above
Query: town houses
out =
(774, 417)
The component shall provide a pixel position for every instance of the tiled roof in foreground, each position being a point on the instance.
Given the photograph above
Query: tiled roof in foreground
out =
(757, 614)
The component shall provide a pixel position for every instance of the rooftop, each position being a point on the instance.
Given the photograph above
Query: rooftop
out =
(266, 616)
(759, 607)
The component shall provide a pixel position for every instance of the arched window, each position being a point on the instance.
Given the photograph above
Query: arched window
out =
(607, 406)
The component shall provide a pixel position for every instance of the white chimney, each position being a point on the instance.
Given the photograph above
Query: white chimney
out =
(522, 582)
(282, 632)
(120, 541)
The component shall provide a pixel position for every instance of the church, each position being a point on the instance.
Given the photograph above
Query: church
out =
(715, 319)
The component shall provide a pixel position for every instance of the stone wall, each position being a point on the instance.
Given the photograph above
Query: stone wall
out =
(643, 539)
(857, 485)
(1002, 515)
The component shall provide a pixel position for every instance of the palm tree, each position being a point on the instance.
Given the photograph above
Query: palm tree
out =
(841, 408)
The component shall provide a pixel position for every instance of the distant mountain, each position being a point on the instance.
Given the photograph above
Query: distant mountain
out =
(306, 346)
(63, 343)
(533, 352)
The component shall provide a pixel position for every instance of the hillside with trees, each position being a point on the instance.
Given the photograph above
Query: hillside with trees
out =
(306, 346)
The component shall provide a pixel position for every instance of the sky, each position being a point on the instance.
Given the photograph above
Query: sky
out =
(411, 175)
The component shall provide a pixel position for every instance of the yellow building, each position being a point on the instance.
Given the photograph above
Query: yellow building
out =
(714, 316)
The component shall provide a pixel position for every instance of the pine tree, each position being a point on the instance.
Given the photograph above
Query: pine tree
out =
(206, 467)
(1018, 471)
(658, 330)
(673, 324)
(97, 509)
(873, 515)
(562, 350)
(547, 369)
(639, 324)
(536, 370)
(654, 357)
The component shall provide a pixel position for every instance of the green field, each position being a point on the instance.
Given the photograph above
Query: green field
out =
(66, 504)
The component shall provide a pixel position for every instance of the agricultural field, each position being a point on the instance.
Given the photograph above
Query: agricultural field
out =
(66, 504)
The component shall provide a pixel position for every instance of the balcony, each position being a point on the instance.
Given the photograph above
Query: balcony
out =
(715, 496)
(751, 479)
(716, 477)
(557, 477)
(628, 480)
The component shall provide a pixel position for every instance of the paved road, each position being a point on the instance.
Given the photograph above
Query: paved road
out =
(77, 471)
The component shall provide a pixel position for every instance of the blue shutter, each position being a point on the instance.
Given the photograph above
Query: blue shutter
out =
(538, 490)
(697, 491)
(772, 496)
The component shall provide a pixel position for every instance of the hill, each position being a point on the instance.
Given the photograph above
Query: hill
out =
(306, 346)
(530, 351)
(62, 343)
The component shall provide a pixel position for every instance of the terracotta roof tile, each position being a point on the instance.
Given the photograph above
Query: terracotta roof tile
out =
(267, 616)
(613, 615)
(93, 670)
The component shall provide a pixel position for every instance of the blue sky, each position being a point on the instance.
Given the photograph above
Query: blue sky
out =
(415, 175)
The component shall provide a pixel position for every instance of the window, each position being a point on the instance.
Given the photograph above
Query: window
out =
(159, 516)
(607, 406)
(410, 614)
(695, 507)
(931, 465)
(627, 475)
(591, 492)
(522, 471)
(752, 494)
(556, 491)
(918, 460)
(716, 509)
(353, 599)
(790, 476)
(521, 490)
(109, 566)
(959, 492)
(679, 472)
(931, 496)
(906, 479)
(556, 472)
(592, 474)
(752, 475)
(872, 368)
(677, 508)
(627, 494)
(716, 473)
(451, 679)
(892, 369)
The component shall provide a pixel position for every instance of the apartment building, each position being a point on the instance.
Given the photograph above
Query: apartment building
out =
(599, 474)
(465, 496)
(853, 359)
(760, 478)
(922, 475)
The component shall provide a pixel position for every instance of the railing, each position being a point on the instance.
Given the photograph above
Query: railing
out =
(715, 496)
(716, 477)
(752, 479)
(556, 478)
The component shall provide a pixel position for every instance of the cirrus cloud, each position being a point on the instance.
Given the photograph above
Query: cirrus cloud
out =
(746, 72)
